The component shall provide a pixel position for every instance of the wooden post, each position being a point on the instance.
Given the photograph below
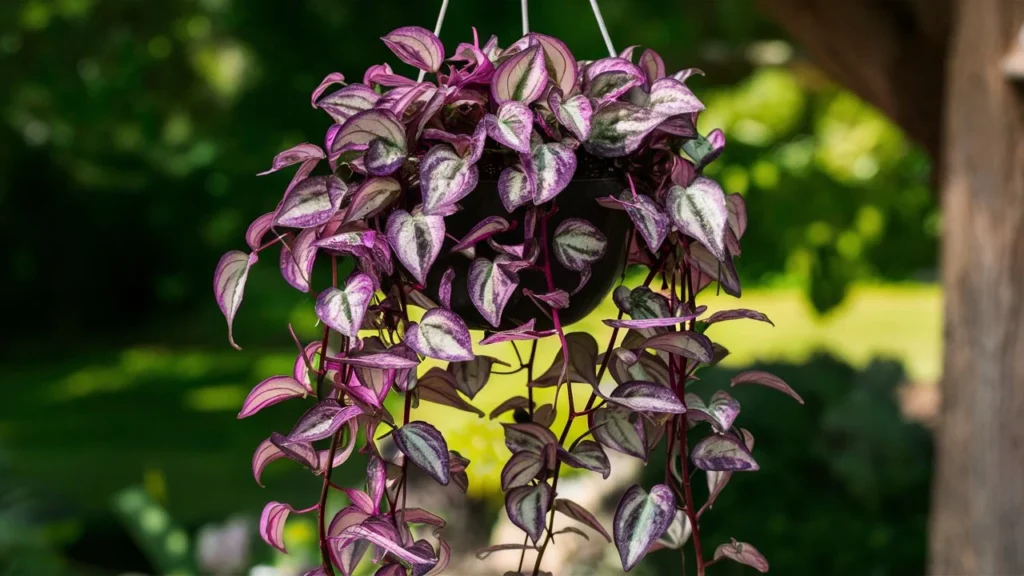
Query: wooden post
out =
(978, 499)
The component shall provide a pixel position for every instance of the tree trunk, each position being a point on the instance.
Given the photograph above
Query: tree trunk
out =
(978, 499)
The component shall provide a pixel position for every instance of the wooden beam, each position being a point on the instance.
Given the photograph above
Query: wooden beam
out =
(889, 52)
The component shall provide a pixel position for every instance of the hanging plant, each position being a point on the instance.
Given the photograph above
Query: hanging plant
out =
(506, 195)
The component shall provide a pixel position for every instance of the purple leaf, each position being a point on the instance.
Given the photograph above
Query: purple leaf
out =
(383, 75)
(582, 362)
(269, 392)
(618, 129)
(619, 430)
(704, 150)
(258, 229)
(301, 452)
(641, 303)
(490, 288)
(378, 133)
(522, 77)
(575, 113)
(699, 211)
(588, 454)
(294, 155)
(737, 214)
(686, 344)
(682, 75)
(445, 178)
(640, 519)
(716, 482)
(550, 168)
(512, 125)
(347, 102)
(272, 524)
(706, 267)
(520, 470)
(527, 508)
(670, 97)
(558, 299)
(380, 533)
(436, 386)
(528, 437)
(740, 313)
(229, 285)
(766, 379)
(513, 403)
(581, 514)
(559, 61)
(265, 453)
(359, 499)
(677, 534)
(343, 310)
(608, 86)
(444, 554)
(322, 420)
(626, 366)
(470, 376)
(416, 241)
(304, 364)
(578, 244)
(515, 187)
(652, 65)
(442, 335)
(311, 202)
(346, 555)
(352, 242)
(654, 322)
(400, 99)
(384, 360)
(649, 221)
(485, 229)
(426, 448)
(523, 332)
(416, 47)
(297, 259)
(444, 290)
(722, 410)
(372, 197)
(744, 554)
(720, 453)
(376, 477)
(647, 397)
(328, 81)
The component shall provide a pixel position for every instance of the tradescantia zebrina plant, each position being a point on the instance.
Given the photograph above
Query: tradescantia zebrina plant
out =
(524, 135)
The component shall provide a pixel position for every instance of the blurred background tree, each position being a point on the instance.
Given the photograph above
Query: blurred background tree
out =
(131, 132)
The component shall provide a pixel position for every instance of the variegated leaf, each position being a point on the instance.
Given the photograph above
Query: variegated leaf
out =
(522, 77)
(343, 310)
(699, 211)
(416, 47)
(445, 178)
(347, 102)
(426, 448)
(269, 392)
(618, 129)
(640, 519)
(511, 126)
(490, 288)
(550, 168)
(416, 241)
(372, 197)
(311, 202)
(515, 188)
(574, 113)
(649, 220)
(440, 334)
(527, 508)
(559, 61)
(297, 259)
(229, 285)
(670, 97)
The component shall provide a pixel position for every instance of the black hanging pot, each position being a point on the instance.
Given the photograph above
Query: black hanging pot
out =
(594, 178)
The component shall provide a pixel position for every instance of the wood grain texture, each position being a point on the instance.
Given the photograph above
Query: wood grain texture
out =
(978, 500)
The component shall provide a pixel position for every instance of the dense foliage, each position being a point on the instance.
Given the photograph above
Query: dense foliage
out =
(403, 158)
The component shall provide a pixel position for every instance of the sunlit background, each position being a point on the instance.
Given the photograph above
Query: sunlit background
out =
(130, 137)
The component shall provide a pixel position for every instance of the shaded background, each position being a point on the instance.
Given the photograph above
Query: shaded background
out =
(131, 132)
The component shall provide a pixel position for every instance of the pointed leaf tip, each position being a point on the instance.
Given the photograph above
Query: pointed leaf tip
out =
(425, 447)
